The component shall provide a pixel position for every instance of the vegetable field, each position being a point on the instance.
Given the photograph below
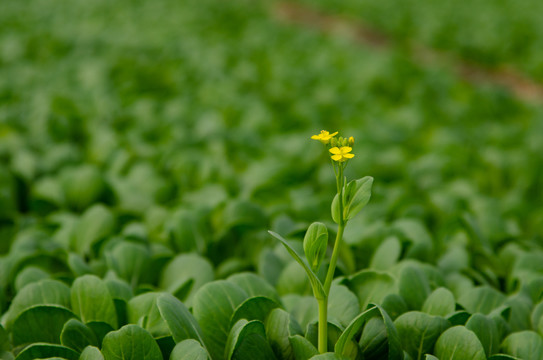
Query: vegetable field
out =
(164, 193)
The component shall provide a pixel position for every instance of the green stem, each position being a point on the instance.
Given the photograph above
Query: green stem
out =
(323, 325)
(339, 236)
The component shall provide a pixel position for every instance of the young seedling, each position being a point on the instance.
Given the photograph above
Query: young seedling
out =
(349, 200)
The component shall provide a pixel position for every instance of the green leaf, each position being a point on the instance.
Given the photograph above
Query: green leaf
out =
(371, 286)
(189, 349)
(419, 332)
(213, 306)
(315, 244)
(247, 340)
(316, 284)
(280, 326)
(91, 353)
(180, 321)
(357, 195)
(305, 309)
(254, 308)
(40, 323)
(394, 305)
(143, 310)
(82, 185)
(92, 301)
(46, 292)
(459, 343)
(43, 351)
(100, 329)
(502, 357)
(380, 338)
(77, 335)
(481, 299)
(96, 223)
(130, 342)
(343, 305)
(334, 332)
(29, 275)
(524, 345)
(440, 303)
(4, 340)
(487, 332)
(329, 356)
(387, 254)
(254, 285)
(130, 261)
(414, 287)
(190, 271)
(353, 328)
(302, 348)
(293, 280)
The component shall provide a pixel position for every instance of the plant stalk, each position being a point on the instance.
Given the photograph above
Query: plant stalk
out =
(323, 325)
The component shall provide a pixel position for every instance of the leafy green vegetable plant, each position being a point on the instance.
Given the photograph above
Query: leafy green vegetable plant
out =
(350, 198)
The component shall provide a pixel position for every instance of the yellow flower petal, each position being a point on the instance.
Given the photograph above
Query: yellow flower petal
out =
(346, 149)
(336, 157)
(348, 156)
(335, 150)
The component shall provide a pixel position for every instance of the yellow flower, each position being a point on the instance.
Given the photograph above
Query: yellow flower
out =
(324, 137)
(341, 154)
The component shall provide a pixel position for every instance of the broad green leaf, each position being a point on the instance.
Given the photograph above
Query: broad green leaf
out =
(414, 287)
(130, 261)
(302, 348)
(247, 340)
(213, 306)
(29, 275)
(280, 326)
(329, 356)
(315, 282)
(417, 234)
(254, 285)
(524, 345)
(394, 305)
(293, 280)
(371, 286)
(143, 310)
(521, 307)
(96, 223)
(353, 328)
(91, 353)
(419, 332)
(91, 300)
(334, 333)
(502, 357)
(82, 186)
(380, 338)
(130, 342)
(100, 329)
(343, 305)
(4, 340)
(44, 351)
(40, 323)
(77, 335)
(357, 195)
(481, 299)
(269, 266)
(191, 271)
(181, 322)
(487, 332)
(459, 343)
(315, 244)
(254, 308)
(189, 349)
(440, 303)
(184, 231)
(305, 309)
(44, 292)
(387, 254)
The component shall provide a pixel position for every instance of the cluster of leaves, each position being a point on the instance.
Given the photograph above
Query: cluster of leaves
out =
(495, 33)
(146, 147)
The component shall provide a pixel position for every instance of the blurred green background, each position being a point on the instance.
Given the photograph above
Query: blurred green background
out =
(200, 112)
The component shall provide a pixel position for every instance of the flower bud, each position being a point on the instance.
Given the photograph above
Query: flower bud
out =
(333, 142)
(351, 141)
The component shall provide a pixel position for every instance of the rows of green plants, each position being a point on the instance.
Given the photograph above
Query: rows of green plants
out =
(494, 33)
(147, 148)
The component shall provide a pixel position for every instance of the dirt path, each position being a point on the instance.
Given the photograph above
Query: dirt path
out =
(513, 80)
